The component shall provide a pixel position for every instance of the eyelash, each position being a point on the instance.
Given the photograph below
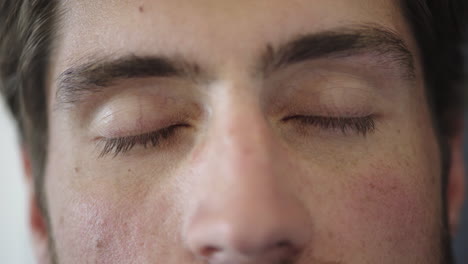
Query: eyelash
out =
(120, 145)
(361, 125)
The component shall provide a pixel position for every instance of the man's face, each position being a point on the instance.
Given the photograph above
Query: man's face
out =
(240, 132)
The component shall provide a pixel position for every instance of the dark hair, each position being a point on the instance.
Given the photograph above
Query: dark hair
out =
(439, 28)
(27, 29)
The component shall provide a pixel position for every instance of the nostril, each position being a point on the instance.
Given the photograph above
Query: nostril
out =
(283, 244)
(284, 248)
(208, 251)
(279, 249)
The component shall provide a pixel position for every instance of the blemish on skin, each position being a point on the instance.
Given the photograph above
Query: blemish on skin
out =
(141, 9)
(77, 169)
(99, 244)
(382, 190)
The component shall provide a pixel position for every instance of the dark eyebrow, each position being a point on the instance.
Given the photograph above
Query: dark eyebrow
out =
(343, 42)
(96, 74)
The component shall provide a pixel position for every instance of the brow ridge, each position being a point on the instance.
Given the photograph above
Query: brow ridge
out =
(97, 74)
(341, 42)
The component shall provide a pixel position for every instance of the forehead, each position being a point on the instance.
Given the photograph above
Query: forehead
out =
(211, 31)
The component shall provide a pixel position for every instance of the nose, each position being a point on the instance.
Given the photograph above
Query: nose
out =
(243, 230)
(241, 213)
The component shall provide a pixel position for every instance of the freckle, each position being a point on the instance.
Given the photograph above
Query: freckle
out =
(129, 170)
(125, 228)
(99, 244)
(372, 186)
(77, 169)
(141, 9)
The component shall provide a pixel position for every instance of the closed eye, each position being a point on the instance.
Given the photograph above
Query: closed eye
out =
(121, 145)
(360, 125)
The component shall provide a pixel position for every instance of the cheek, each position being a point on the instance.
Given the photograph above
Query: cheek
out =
(105, 230)
(382, 201)
(96, 229)
(397, 208)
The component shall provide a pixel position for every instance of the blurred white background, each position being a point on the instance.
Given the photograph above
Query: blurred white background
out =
(14, 233)
(15, 245)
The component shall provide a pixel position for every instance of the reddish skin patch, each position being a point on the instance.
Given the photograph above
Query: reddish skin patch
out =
(390, 207)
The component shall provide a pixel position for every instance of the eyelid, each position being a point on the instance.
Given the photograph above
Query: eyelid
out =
(325, 100)
(362, 125)
(124, 121)
(130, 113)
(121, 145)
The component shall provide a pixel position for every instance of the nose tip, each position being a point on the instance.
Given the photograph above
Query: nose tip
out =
(260, 237)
